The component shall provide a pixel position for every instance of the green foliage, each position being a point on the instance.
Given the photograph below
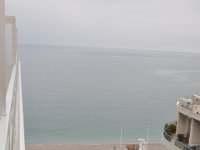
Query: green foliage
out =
(170, 129)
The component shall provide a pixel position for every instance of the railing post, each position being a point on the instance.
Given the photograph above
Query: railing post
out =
(2, 61)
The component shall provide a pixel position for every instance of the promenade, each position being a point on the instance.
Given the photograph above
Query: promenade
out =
(156, 146)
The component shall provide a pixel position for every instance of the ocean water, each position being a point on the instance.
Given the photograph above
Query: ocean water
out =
(85, 95)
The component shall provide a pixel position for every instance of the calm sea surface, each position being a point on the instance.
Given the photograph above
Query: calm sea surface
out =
(85, 95)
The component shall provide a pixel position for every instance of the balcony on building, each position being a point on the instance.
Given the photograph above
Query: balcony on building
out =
(184, 134)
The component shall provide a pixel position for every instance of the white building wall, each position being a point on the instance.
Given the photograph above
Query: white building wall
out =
(195, 133)
(183, 123)
(2, 61)
(11, 104)
(10, 46)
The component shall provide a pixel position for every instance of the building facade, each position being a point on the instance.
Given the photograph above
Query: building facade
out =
(184, 134)
(11, 104)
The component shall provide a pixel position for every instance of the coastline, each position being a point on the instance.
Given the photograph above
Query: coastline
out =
(73, 146)
(150, 146)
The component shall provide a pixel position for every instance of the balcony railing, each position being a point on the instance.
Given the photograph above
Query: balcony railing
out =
(12, 125)
(185, 103)
(191, 104)
(190, 107)
(11, 117)
(174, 140)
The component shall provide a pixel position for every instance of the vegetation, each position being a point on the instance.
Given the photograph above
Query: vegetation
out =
(170, 129)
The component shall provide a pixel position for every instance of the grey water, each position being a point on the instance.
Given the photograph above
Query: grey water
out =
(85, 95)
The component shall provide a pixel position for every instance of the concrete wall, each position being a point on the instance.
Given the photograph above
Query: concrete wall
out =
(183, 124)
(10, 46)
(2, 60)
(195, 133)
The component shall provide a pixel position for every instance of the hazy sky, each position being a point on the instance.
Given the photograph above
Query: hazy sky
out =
(137, 24)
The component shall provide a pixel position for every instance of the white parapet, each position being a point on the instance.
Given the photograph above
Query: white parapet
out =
(196, 109)
(12, 125)
(196, 98)
(21, 113)
(11, 104)
(2, 60)
(190, 108)
(6, 121)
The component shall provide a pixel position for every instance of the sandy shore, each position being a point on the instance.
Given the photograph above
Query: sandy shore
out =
(73, 147)
(156, 146)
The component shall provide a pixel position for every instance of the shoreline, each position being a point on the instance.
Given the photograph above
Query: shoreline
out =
(72, 146)
(133, 146)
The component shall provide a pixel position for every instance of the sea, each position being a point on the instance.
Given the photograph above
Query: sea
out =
(86, 95)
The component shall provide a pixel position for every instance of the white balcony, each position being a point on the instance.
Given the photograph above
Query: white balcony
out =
(190, 107)
(11, 104)
(12, 124)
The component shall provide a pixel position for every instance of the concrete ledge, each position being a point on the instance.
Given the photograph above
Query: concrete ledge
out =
(188, 113)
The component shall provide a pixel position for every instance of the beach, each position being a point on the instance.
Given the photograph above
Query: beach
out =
(152, 146)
